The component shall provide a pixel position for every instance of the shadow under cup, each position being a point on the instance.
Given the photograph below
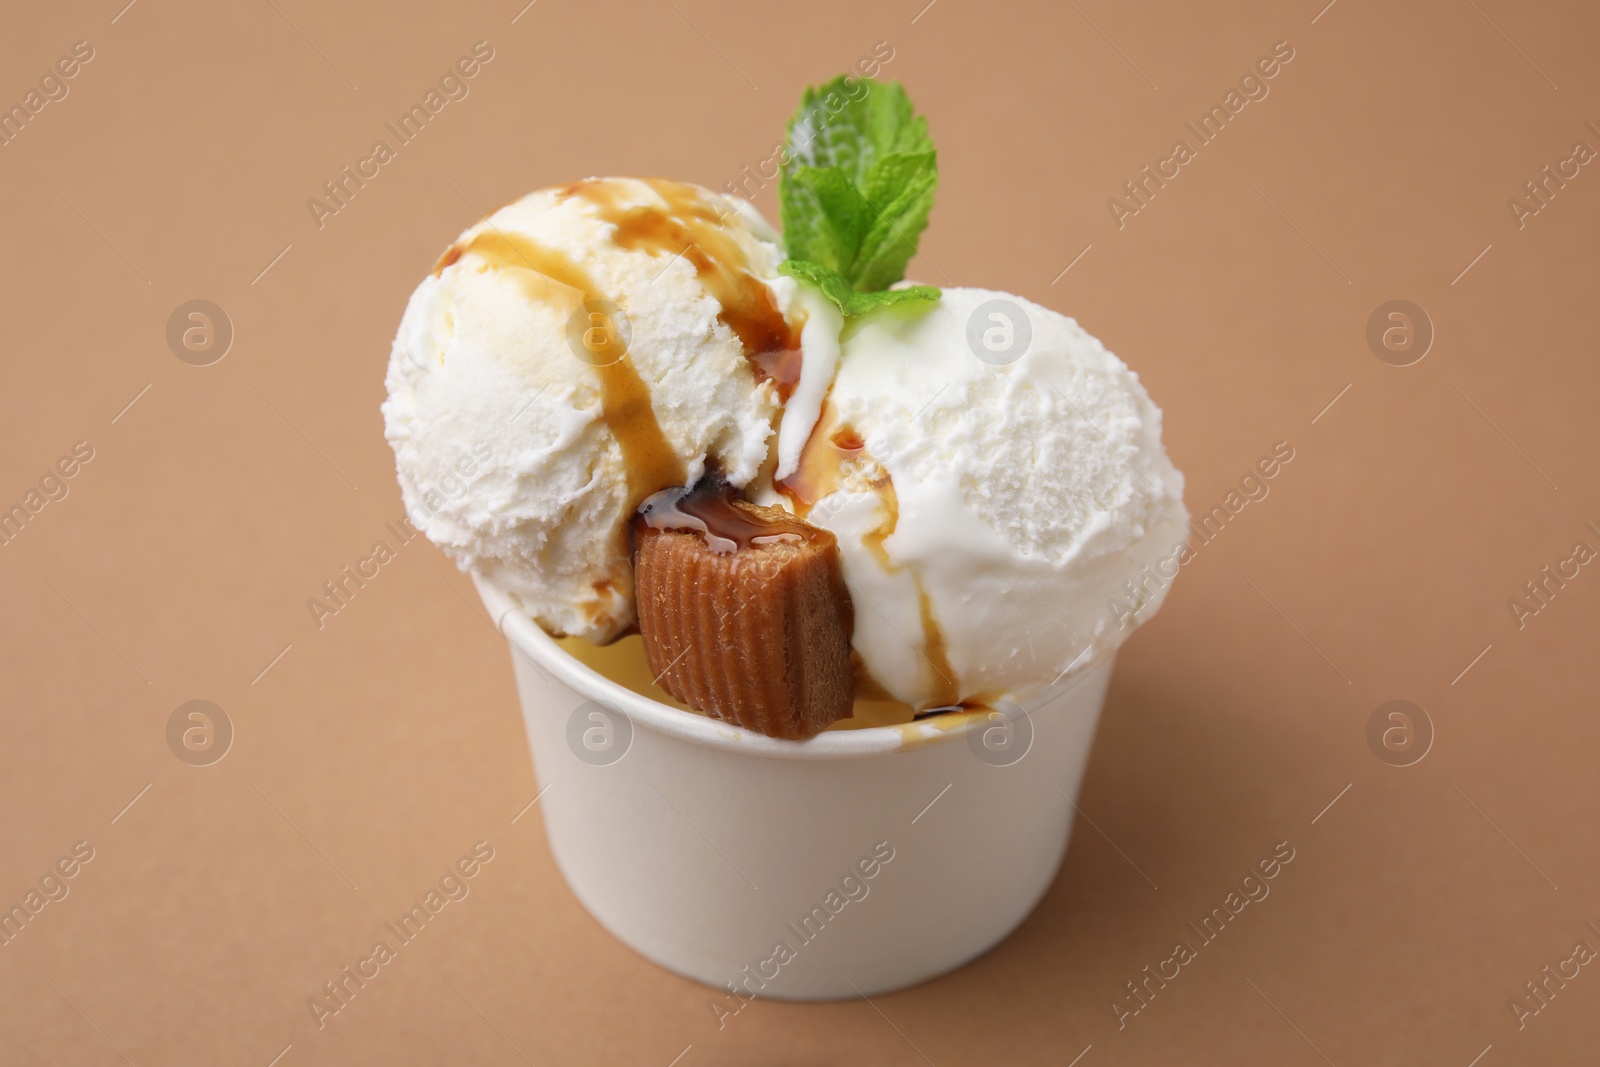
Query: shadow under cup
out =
(857, 862)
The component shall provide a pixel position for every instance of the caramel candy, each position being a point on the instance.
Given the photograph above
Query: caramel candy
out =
(744, 611)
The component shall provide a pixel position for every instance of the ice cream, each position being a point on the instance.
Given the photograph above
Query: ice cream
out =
(604, 392)
(986, 512)
(529, 417)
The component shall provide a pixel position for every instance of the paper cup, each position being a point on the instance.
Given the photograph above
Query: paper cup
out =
(854, 863)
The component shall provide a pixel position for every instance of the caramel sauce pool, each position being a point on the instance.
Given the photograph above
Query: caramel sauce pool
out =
(623, 661)
(728, 523)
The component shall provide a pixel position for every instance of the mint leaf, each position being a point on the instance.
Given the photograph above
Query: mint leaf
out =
(861, 303)
(841, 220)
(900, 187)
(830, 281)
(857, 186)
(851, 128)
(849, 301)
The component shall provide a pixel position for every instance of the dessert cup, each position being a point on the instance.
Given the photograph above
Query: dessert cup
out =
(854, 863)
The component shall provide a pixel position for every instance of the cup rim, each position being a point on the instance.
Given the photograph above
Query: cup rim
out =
(528, 639)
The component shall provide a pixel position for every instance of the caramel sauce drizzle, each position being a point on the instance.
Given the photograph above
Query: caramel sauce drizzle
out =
(829, 447)
(821, 461)
(450, 257)
(625, 405)
(875, 537)
(690, 227)
(712, 508)
(946, 686)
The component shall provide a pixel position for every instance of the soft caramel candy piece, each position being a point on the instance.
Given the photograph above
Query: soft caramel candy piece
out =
(744, 612)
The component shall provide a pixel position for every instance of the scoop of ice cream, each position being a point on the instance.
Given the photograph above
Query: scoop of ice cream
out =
(997, 484)
(571, 354)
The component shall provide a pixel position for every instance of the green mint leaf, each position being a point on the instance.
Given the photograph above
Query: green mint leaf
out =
(861, 303)
(830, 281)
(852, 303)
(850, 123)
(858, 182)
(843, 217)
(900, 188)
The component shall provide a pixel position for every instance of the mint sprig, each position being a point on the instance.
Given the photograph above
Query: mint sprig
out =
(851, 301)
(855, 192)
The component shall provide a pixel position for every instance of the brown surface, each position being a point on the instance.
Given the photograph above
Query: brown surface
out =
(389, 742)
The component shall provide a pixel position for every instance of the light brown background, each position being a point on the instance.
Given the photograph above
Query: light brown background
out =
(389, 741)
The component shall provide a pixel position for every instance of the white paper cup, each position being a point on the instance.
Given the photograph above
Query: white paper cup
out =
(706, 847)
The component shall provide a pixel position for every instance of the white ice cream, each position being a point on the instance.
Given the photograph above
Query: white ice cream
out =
(506, 458)
(991, 513)
(1018, 499)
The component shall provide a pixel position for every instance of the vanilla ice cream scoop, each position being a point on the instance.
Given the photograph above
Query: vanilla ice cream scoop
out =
(573, 353)
(997, 484)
